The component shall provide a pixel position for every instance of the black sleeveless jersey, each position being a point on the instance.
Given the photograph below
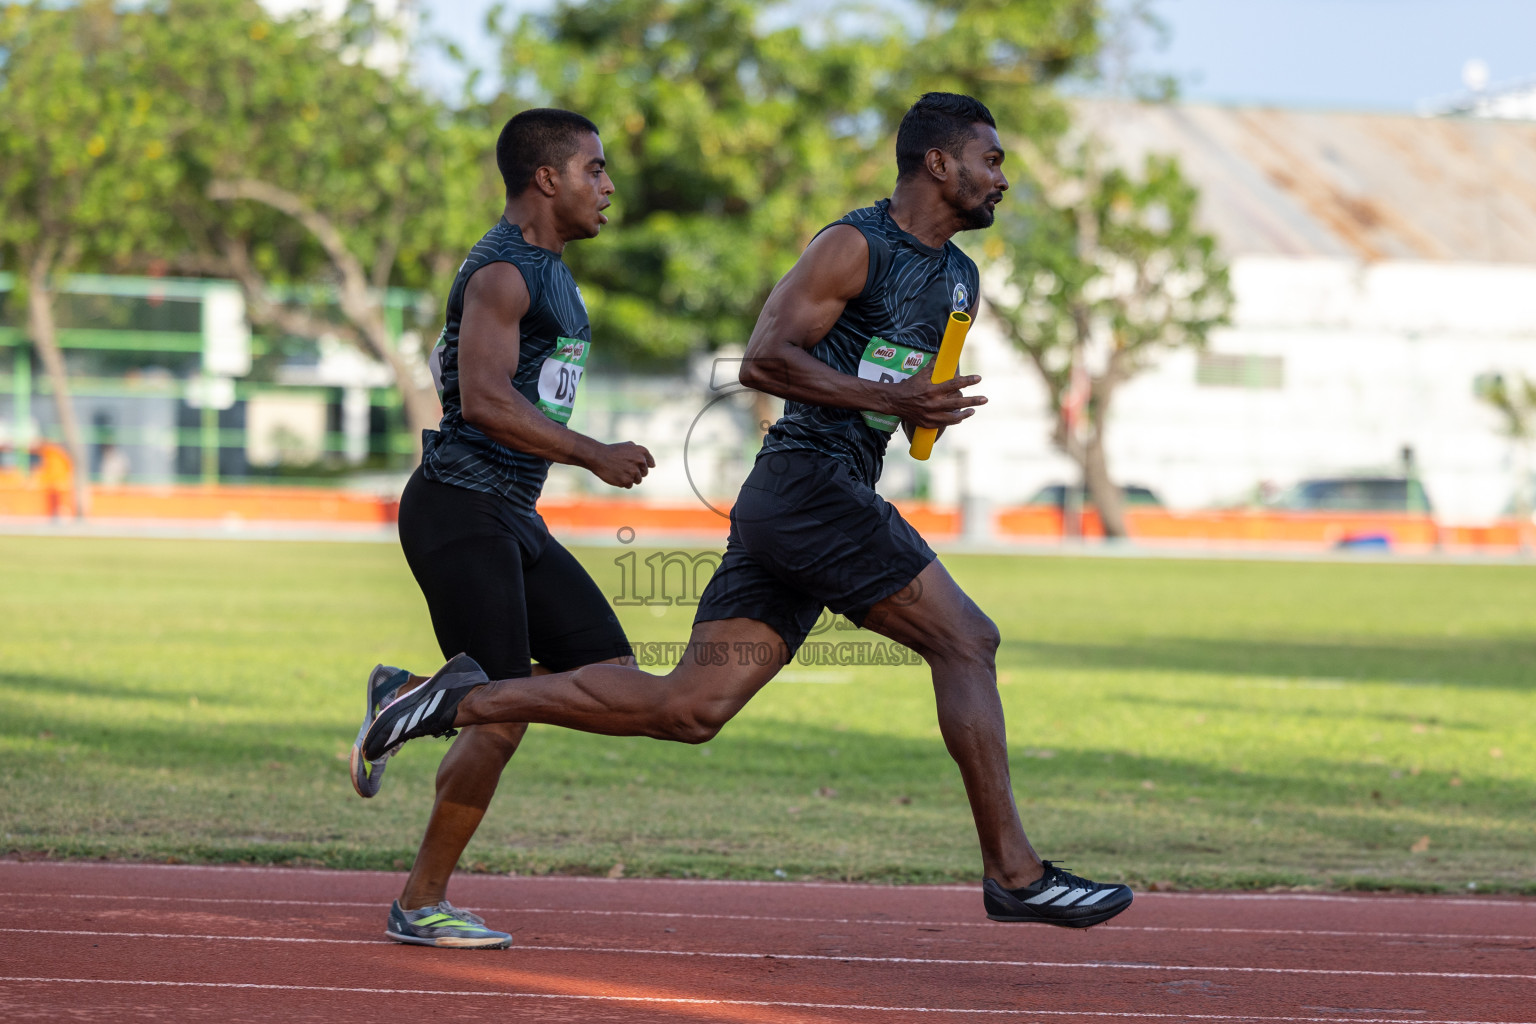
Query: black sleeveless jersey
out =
(907, 298)
(554, 336)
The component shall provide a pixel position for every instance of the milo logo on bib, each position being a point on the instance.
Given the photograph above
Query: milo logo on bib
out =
(888, 363)
(559, 376)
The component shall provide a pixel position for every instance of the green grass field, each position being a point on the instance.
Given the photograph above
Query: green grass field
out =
(1185, 723)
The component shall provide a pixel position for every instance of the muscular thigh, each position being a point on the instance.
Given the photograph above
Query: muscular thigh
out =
(469, 565)
(726, 662)
(930, 614)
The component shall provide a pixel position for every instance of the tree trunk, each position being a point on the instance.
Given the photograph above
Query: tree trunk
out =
(45, 339)
(364, 309)
(1106, 497)
(364, 328)
(1102, 490)
(361, 303)
(1523, 492)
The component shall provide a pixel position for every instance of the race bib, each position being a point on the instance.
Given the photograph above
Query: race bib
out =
(559, 376)
(888, 363)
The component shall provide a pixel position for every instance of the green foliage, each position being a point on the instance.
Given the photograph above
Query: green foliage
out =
(76, 152)
(289, 102)
(1195, 722)
(1006, 53)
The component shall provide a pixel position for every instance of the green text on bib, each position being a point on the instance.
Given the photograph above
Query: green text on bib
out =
(559, 376)
(888, 363)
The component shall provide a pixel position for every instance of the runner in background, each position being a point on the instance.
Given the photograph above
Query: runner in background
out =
(499, 588)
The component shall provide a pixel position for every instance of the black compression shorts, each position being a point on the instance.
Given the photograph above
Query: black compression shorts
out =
(499, 587)
(806, 535)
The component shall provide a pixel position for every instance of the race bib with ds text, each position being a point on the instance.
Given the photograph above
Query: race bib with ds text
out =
(888, 363)
(559, 376)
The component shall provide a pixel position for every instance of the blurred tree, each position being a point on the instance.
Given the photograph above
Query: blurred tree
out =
(730, 143)
(303, 165)
(74, 153)
(1006, 53)
(1515, 402)
(1103, 269)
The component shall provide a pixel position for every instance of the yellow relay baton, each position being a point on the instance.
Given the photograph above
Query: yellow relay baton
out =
(944, 366)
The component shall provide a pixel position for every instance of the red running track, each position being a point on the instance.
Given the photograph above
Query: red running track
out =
(108, 942)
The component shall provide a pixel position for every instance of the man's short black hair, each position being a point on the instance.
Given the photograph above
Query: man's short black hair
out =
(541, 137)
(939, 120)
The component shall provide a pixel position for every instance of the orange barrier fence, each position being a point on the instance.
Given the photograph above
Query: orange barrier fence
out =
(1404, 531)
(38, 499)
(1256, 526)
(588, 515)
(256, 504)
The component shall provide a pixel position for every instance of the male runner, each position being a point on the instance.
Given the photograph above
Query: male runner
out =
(866, 303)
(498, 586)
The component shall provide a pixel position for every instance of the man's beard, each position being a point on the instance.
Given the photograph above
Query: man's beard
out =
(972, 203)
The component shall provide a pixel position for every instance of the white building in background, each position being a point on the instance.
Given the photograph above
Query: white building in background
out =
(1380, 263)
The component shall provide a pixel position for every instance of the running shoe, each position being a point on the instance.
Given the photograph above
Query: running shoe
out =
(1058, 898)
(443, 925)
(383, 687)
(428, 710)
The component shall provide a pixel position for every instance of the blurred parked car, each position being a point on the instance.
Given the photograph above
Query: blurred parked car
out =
(1356, 494)
(1055, 495)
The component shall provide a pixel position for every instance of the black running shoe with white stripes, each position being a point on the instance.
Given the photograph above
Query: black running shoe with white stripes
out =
(428, 710)
(1058, 898)
(383, 686)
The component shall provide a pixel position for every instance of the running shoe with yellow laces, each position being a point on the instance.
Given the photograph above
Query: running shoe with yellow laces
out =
(443, 925)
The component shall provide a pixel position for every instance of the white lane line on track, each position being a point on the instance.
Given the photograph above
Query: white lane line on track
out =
(505, 879)
(786, 1004)
(816, 957)
(1325, 932)
(304, 939)
(891, 922)
(1453, 901)
(1386, 899)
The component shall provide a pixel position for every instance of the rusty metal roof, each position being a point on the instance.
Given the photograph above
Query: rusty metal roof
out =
(1360, 186)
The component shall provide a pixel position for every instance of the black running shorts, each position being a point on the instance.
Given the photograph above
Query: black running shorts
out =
(499, 587)
(806, 535)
